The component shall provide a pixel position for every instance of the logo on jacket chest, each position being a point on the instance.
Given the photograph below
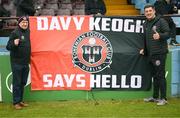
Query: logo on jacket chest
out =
(22, 38)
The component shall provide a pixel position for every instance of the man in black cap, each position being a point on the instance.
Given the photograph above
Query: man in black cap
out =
(20, 49)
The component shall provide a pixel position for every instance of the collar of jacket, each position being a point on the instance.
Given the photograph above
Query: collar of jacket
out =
(153, 20)
(23, 30)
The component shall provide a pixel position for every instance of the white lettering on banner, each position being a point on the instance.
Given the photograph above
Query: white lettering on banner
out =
(106, 81)
(114, 82)
(54, 24)
(42, 23)
(62, 80)
(96, 81)
(111, 81)
(136, 81)
(106, 25)
(80, 82)
(65, 24)
(46, 79)
(123, 82)
(127, 27)
(95, 23)
(59, 23)
(115, 24)
(58, 81)
(139, 26)
(78, 23)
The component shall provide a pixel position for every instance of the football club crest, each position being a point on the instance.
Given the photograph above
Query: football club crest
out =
(158, 62)
(92, 52)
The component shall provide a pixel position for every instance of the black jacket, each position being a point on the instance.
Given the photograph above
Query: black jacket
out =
(154, 47)
(93, 7)
(19, 54)
(24, 7)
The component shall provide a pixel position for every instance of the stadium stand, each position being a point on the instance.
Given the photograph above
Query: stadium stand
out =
(63, 11)
(77, 7)
(67, 6)
(53, 6)
(47, 12)
(120, 7)
(78, 12)
(53, 1)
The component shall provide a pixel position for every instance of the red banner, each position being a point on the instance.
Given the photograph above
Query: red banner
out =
(86, 52)
(52, 39)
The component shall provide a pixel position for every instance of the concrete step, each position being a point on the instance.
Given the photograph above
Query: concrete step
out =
(115, 2)
(122, 12)
(119, 7)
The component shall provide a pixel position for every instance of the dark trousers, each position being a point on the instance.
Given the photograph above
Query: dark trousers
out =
(159, 81)
(20, 75)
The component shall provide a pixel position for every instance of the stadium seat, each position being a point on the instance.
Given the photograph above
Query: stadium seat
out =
(79, 6)
(78, 12)
(53, 1)
(66, 1)
(63, 12)
(115, 2)
(66, 6)
(52, 6)
(120, 7)
(40, 1)
(46, 12)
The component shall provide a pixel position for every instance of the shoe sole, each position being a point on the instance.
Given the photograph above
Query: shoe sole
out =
(162, 104)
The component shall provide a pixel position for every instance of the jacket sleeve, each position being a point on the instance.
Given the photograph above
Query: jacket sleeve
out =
(165, 30)
(87, 7)
(103, 8)
(10, 44)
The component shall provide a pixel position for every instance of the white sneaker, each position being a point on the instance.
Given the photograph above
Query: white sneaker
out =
(151, 99)
(162, 102)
